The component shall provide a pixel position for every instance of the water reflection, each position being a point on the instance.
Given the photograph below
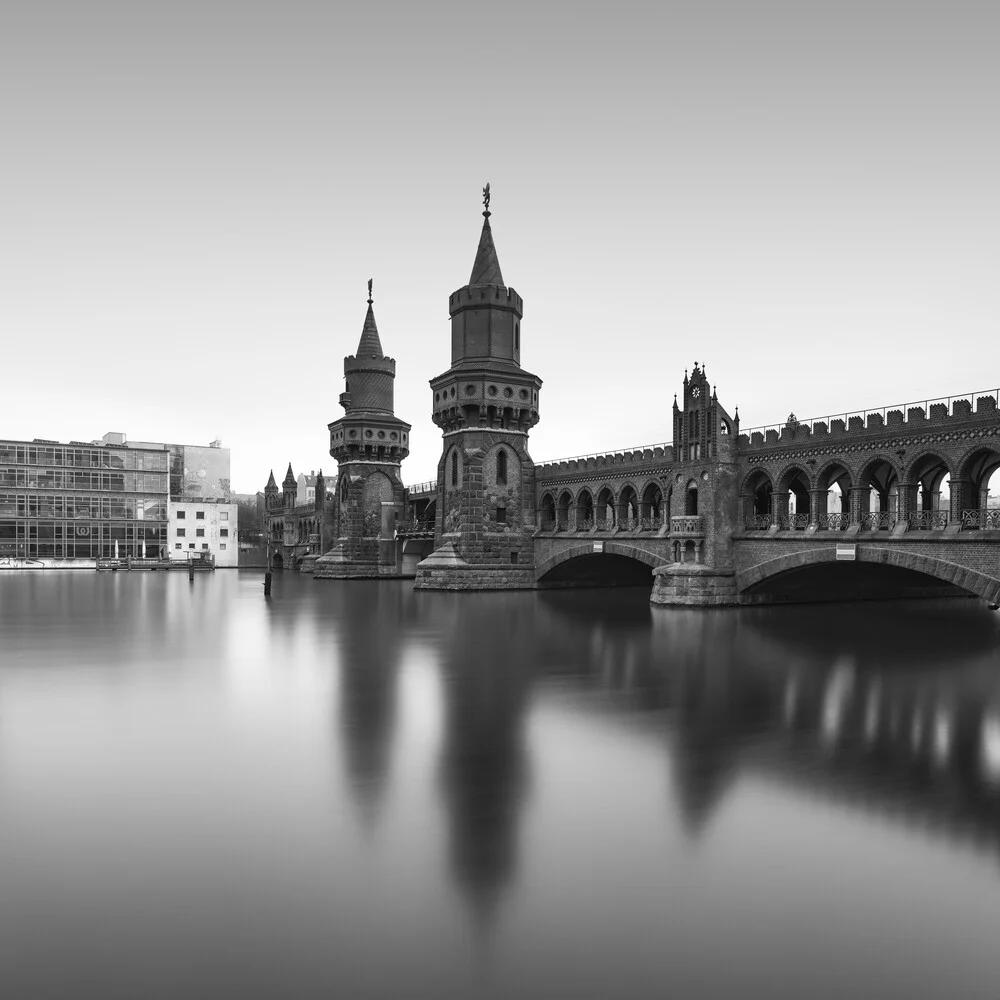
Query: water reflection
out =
(611, 795)
(486, 665)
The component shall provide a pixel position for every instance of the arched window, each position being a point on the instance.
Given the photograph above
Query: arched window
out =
(691, 500)
(454, 468)
(501, 466)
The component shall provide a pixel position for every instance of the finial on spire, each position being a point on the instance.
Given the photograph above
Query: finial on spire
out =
(369, 291)
(486, 200)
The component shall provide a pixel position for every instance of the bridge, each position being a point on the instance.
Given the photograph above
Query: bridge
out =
(875, 503)
(865, 504)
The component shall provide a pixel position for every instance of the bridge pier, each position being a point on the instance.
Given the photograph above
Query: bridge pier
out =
(690, 584)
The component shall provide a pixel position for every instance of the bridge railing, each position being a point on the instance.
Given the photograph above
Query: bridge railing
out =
(429, 487)
(616, 454)
(919, 411)
(883, 520)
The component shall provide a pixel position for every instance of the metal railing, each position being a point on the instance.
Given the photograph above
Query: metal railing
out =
(883, 411)
(605, 454)
(928, 520)
(974, 520)
(795, 522)
(428, 487)
(878, 520)
(833, 522)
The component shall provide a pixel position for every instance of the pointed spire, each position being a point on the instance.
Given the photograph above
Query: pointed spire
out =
(486, 269)
(369, 346)
(271, 484)
(289, 476)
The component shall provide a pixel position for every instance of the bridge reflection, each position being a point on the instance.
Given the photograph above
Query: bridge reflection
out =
(886, 710)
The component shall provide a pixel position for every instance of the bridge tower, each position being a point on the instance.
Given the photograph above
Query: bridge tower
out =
(485, 404)
(703, 500)
(369, 443)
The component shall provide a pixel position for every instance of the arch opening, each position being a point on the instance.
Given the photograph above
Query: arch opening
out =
(584, 511)
(651, 508)
(605, 511)
(606, 569)
(563, 509)
(980, 482)
(547, 512)
(628, 509)
(691, 499)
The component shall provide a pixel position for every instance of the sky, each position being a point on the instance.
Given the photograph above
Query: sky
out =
(802, 197)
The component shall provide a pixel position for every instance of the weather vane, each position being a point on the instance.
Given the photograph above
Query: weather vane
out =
(369, 291)
(486, 198)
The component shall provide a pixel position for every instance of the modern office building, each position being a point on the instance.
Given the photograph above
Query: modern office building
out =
(68, 504)
(196, 471)
(204, 527)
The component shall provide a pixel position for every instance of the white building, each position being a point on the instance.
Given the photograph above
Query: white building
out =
(200, 527)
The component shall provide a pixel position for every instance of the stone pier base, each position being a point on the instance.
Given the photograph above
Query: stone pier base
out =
(692, 585)
(337, 565)
(445, 569)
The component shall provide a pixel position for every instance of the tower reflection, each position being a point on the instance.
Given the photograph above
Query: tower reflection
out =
(487, 665)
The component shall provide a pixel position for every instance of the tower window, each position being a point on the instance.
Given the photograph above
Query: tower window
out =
(501, 466)
(517, 336)
(454, 468)
(501, 515)
(691, 500)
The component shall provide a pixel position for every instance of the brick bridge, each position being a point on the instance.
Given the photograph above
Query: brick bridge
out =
(870, 504)
(851, 506)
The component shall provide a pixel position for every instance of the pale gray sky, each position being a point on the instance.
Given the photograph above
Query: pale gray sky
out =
(802, 197)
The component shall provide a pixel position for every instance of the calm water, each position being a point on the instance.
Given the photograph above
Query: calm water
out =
(354, 790)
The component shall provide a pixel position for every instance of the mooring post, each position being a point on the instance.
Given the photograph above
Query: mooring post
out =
(267, 584)
(191, 572)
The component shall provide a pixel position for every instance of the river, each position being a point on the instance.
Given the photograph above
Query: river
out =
(355, 790)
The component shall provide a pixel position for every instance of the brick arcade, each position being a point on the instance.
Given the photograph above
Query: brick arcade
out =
(804, 510)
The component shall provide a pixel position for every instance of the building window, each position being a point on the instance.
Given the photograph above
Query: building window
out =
(204, 545)
(224, 532)
(454, 468)
(199, 532)
(501, 466)
(181, 532)
(200, 515)
(513, 558)
(224, 515)
(190, 545)
(222, 546)
(177, 545)
(501, 515)
(181, 515)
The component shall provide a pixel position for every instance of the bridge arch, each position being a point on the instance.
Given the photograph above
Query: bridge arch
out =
(978, 468)
(605, 506)
(928, 470)
(651, 506)
(795, 481)
(586, 549)
(547, 509)
(756, 491)
(880, 477)
(584, 509)
(628, 504)
(976, 583)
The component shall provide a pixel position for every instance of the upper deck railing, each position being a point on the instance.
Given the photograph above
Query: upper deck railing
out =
(943, 407)
(427, 487)
(642, 448)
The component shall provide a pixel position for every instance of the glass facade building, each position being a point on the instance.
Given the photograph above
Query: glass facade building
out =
(65, 502)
